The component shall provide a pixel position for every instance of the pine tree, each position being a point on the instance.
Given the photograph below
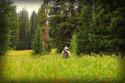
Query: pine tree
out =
(5, 10)
(63, 23)
(73, 45)
(85, 25)
(42, 16)
(43, 20)
(24, 30)
(108, 19)
(37, 45)
(33, 23)
(14, 29)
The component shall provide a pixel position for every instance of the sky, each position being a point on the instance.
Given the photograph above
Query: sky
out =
(29, 5)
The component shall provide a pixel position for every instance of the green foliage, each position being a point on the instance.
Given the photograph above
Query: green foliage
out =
(101, 27)
(49, 43)
(5, 12)
(73, 44)
(14, 29)
(108, 26)
(37, 45)
(63, 23)
(42, 16)
(24, 29)
(85, 21)
(33, 24)
(100, 34)
(43, 21)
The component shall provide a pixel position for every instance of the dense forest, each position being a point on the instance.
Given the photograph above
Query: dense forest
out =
(86, 26)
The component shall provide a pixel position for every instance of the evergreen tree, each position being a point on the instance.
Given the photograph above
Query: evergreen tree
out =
(14, 29)
(73, 45)
(5, 10)
(43, 20)
(100, 35)
(24, 29)
(33, 23)
(63, 23)
(37, 45)
(85, 25)
(42, 16)
(108, 19)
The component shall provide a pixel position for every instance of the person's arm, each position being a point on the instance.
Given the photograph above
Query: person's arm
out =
(69, 53)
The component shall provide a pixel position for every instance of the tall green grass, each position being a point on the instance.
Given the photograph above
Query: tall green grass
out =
(52, 68)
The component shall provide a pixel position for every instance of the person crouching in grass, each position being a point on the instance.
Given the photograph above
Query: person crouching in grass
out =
(66, 52)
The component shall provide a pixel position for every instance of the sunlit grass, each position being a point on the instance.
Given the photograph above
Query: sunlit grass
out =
(52, 68)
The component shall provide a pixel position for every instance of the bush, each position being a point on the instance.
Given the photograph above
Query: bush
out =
(37, 45)
(73, 45)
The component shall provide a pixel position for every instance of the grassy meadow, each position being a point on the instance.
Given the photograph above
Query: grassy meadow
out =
(21, 66)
